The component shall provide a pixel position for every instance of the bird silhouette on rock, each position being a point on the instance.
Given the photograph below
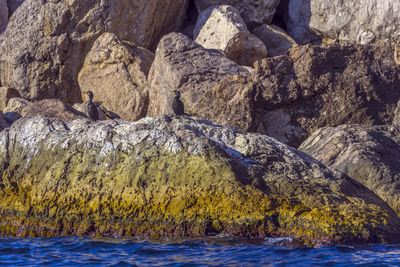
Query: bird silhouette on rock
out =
(90, 108)
(177, 104)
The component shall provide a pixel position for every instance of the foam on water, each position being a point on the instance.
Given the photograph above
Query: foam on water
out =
(220, 250)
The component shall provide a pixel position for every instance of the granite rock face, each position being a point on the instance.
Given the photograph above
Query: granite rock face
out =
(197, 73)
(313, 87)
(176, 176)
(116, 72)
(361, 22)
(222, 28)
(43, 49)
(368, 154)
(252, 11)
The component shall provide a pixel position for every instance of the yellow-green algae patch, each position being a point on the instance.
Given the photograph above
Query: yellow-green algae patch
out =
(149, 191)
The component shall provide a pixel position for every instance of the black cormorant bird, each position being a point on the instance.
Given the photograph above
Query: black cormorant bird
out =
(90, 108)
(177, 104)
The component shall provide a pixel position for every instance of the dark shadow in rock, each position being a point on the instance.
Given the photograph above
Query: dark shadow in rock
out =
(190, 20)
(13, 5)
(281, 15)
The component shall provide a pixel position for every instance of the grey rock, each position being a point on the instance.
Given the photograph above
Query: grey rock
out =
(361, 22)
(196, 72)
(221, 27)
(277, 41)
(252, 11)
(368, 154)
(313, 87)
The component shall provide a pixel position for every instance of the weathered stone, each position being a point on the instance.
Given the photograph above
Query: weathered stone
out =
(14, 108)
(353, 21)
(313, 87)
(275, 39)
(5, 95)
(252, 11)
(45, 43)
(176, 176)
(116, 72)
(3, 15)
(196, 72)
(221, 27)
(368, 154)
(53, 108)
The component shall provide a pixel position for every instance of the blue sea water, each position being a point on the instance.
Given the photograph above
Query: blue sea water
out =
(218, 251)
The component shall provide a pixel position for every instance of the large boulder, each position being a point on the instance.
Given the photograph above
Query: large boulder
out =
(221, 27)
(252, 11)
(116, 72)
(3, 15)
(277, 41)
(368, 154)
(5, 95)
(313, 87)
(45, 44)
(176, 176)
(353, 21)
(53, 108)
(208, 81)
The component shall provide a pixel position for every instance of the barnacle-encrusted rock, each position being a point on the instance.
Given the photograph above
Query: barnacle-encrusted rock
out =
(176, 176)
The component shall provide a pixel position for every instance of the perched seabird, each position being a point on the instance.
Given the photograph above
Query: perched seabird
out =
(177, 104)
(90, 108)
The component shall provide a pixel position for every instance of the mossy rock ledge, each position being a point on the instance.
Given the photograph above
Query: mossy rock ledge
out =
(176, 177)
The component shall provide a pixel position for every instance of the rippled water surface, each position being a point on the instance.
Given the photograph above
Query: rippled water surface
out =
(68, 251)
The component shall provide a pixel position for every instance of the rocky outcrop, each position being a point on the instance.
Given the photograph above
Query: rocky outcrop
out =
(43, 49)
(5, 95)
(116, 72)
(275, 39)
(360, 22)
(14, 109)
(53, 108)
(252, 11)
(313, 87)
(3, 15)
(367, 154)
(198, 73)
(176, 176)
(221, 27)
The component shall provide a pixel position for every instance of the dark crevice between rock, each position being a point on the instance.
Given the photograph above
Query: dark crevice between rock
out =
(281, 15)
(190, 20)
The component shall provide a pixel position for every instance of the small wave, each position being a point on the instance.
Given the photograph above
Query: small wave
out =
(218, 250)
